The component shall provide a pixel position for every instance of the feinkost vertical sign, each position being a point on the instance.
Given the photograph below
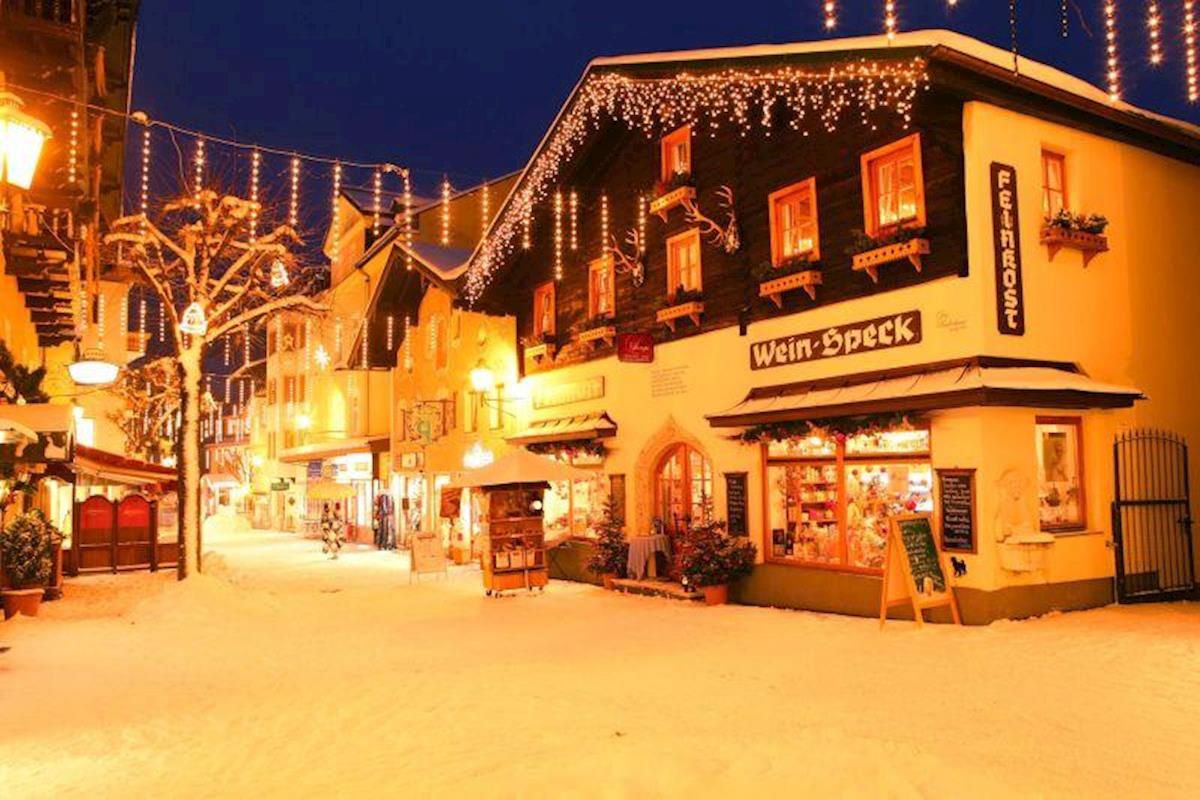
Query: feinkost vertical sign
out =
(1006, 233)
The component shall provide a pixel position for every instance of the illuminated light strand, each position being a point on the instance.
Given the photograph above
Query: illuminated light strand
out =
(162, 322)
(125, 315)
(335, 214)
(1113, 71)
(408, 222)
(142, 338)
(603, 223)
(245, 345)
(145, 185)
(527, 231)
(1012, 36)
(255, 164)
(445, 216)
(198, 168)
(408, 359)
(225, 350)
(818, 99)
(307, 344)
(641, 223)
(574, 220)
(294, 196)
(890, 22)
(100, 317)
(84, 307)
(391, 332)
(337, 339)
(1190, 57)
(830, 15)
(73, 148)
(485, 210)
(1064, 18)
(376, 202)
(1153, 26)
(558, 236)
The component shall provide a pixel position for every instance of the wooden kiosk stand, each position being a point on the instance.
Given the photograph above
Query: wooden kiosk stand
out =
(513, 552)
(915, 570)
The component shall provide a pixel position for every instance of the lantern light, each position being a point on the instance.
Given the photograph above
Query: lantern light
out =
(21, 140)
(482, 378)
(92, 369)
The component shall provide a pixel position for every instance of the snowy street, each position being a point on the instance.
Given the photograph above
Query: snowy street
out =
(281, 674)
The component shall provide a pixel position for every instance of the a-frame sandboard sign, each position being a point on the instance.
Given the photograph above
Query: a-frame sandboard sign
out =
(914, 569)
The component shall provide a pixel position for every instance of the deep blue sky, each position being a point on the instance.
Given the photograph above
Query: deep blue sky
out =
(469, 87)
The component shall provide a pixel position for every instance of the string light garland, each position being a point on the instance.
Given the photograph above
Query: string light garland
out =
(1012, 36)
(485, 210)
(225, 351)
(255, 163)
(307, 344)
(574, 220)
(730, 97)
(527, 232)
(641, 223)
(145, 186)
(1064, 18)
(84, 308)
(198, 168)
(245, 345)
(558, 236)
(408, 222)
(890, 23)
(162, 322)
(408, 357)
(1190, 56)
(337, 339)
(294, 195)
(335, 214)
(142, 336)
(603, 223)
(73, 148)
(391, 332)
(830, 15)
(445, 239)
(1153, 25)
(125, 314)
(100, 318)
(1113, 73)
(376, 202)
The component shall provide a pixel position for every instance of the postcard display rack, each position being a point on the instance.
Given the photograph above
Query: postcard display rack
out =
(514, 541)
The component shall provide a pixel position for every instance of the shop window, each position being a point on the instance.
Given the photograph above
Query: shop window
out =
(1061, 504)
(543, 310)
(573, 508)
(677, 153)
(601, 288)
(683, 488)
(495, 409)
(794, 223)
(683, 263)
(1054, 182)
(893, 187)
(830, 501)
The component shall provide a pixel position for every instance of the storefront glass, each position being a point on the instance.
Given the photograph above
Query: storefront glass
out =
(829, 501)
(572, 508)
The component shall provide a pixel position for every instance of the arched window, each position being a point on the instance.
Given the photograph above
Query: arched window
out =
(683, 488)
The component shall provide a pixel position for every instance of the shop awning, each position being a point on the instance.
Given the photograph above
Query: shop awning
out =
(27, 423)
(332, 448)
(566, 429)
(980, 381)
(113, 468)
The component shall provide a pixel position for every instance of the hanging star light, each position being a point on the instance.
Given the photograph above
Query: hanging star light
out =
(193, 321)
(321, 356)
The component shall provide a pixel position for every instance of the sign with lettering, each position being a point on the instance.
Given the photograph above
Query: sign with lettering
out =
(314, 470)
(1006, 235)
(956, 498)
(735, 503)
(548, 395)
(635, 347)
(616, 488)
(914, 571)
(427, 556)
(427, 420)
(896, 330)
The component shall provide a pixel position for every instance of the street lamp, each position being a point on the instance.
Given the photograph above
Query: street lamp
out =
(21, 140)
(482, 378)
(92, 369)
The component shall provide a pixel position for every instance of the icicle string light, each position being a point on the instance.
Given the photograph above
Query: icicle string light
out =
(337, 340)
(730, 98)
(890, 22)
(162, 322)
(307, 344)
(1153, 28)
(245, 345)
(445, 216)
(641, 223)
(225, 351)
(1190, 57)
(574, 220)
(335, 214)
(1012, 36)
(73, 148)
(830, 15)
(198, 168)
(255, 165)
(142, 322)
(391, 332)
(408, 221)
(376, 202)
(125, 315)
(145, 184)
(294, 196)
(603, 224)
(527, 232)
(558, 236)
(485, 209)
(1113, 71)
(1064, 18)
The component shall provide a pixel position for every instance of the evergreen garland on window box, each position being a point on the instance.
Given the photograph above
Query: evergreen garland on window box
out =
(838, 428)
(861, 242)
(569, 450)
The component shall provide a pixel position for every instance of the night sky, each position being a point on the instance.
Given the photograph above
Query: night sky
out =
(468, 88)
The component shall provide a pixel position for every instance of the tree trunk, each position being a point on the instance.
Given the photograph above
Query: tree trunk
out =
(191, 376)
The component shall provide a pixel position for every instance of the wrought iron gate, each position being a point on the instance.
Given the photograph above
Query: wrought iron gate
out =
(1151, 514)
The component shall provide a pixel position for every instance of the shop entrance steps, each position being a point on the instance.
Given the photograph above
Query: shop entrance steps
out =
(656, 588)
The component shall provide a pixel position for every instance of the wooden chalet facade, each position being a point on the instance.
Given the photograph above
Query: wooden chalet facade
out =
(810, 314)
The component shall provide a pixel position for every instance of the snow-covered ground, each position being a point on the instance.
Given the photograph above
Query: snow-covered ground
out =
(281, 674)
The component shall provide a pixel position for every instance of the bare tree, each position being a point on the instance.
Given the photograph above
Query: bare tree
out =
(149, 395)
(202, 255)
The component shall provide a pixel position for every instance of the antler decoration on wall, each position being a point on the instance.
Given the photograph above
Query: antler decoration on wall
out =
(634, 265)
(726, 236)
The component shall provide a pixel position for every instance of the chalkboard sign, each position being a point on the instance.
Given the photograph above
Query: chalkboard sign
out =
(913, 572)
(956, 495)
(924, 563)
(616, 488)
(735, 503)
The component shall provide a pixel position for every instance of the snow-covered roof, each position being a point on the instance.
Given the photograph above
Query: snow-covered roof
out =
(448, 262)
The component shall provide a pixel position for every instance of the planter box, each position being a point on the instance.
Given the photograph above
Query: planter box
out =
(541, 351)
(870, 261)
(605, 334)
(808, 280)
(691, 310)
(663, 205)
(1090, 244)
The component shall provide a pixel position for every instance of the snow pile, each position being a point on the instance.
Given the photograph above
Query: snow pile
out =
(279, 673)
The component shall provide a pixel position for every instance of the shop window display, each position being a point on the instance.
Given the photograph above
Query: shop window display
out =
(1060, 474)
(830, 498)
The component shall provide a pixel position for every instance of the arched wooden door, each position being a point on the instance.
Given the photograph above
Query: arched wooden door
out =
(135, 532)
(682, 495)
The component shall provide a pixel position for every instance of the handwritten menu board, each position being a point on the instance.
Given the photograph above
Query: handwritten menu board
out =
(956, 495)
(924, 564)
(735, 503)
(616, 487)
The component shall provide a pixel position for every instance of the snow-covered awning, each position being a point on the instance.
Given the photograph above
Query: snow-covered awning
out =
(566, 429)
(106, 467)
(973, 382)
(333, 448)
(27, 423)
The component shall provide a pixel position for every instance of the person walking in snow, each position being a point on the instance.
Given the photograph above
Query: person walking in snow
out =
(331, 530)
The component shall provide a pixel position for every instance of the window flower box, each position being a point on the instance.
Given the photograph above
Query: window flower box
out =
(538, 352)
(601, 334)
(911, 250)
(663, 204)
(1090, 245)
(806, 279)
(691, 309)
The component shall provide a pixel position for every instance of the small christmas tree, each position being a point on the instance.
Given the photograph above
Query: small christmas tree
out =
(611, 553)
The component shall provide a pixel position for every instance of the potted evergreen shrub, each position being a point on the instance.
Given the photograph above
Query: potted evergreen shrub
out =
(711, 560)
(27, 547)
(611, 553)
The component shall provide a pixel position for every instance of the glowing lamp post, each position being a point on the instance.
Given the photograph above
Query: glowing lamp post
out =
(21, 140)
